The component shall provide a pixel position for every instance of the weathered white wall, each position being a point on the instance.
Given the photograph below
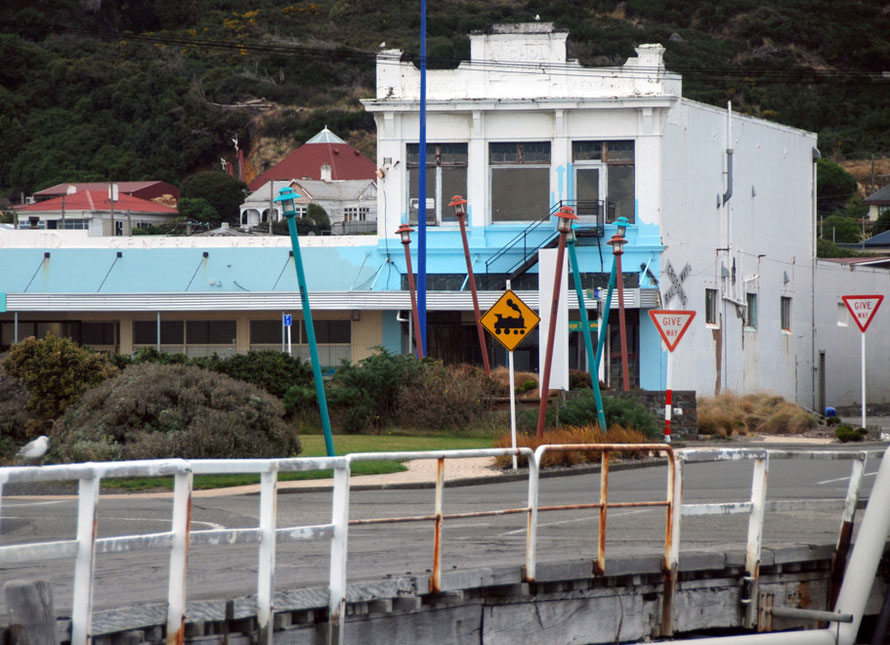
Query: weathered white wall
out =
(839, 337)
(766, 227)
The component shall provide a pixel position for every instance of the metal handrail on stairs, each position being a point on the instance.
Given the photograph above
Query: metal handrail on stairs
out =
(527, 242)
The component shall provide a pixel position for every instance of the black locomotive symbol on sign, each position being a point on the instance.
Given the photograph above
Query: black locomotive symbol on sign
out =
(506, 324)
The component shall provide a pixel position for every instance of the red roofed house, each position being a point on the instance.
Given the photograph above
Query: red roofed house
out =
(141, 189)
(306, 162)
(92, 210)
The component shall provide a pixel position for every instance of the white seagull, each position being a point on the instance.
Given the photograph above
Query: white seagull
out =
(35, 449)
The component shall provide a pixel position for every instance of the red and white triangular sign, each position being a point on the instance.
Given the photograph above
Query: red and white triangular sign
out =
(671, 325)
(863, 309)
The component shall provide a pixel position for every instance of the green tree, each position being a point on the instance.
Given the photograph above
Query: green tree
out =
(197, 209)
(882, 223)
(223, 192)
(321, 223)
(838, 228)
(56, 372)
(836, 186)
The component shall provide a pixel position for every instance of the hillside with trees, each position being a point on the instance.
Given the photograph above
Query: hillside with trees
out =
(95, 90)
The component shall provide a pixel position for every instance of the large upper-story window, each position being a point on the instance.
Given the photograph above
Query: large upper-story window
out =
(446, 176)
(604, 173)
(520, 180)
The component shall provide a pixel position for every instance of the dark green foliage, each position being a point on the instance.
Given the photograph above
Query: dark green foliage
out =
(270, 370)
(882, 223)
(153, 411)
(846, 433)
(56, 372)
(837, 228)
(836, 186)
(827, 249)
(316, 222)
(364, 395)
(628, 413)
(14, 414)
(197, 209)
(221, 191)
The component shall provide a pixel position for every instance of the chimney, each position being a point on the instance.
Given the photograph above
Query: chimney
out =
(326, 173)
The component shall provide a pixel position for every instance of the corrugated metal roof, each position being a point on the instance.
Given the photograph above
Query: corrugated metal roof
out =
(306, 161)
(97, 200)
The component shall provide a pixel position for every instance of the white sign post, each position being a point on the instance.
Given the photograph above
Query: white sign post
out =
(287, 321)
(863, 309)
(671, 325)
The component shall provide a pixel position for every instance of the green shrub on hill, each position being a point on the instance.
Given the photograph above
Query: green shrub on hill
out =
(153, 411)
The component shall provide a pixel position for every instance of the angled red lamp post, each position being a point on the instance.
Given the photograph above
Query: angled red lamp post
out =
(404, 232)
(565, 216)
(460, 212)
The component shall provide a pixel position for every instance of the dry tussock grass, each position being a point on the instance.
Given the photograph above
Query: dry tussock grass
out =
(571, 435)
(753, 413)
(501, 375)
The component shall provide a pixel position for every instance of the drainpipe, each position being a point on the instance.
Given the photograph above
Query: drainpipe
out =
(861, 572)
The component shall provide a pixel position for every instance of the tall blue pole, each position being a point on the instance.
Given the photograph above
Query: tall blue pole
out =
(585, 331)
(421, 189)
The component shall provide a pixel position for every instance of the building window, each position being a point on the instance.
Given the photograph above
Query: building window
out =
(446, 176)
(604, 172)
(751, 311)
(785, 313)
(520, 181)
(711, 306)
(210, 332)
(266, 332)
(75, 224)
(145, 332)
(356, 214)
(328, 332)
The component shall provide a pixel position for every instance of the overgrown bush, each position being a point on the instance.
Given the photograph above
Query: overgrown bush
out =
(753, 413)
(581, 411)
(14, 415)
(274, 371)
(846, 433)
(522, 381)
(579, 380)
(363, 396)
(56, 372)
(570, 435)
(153, 411)
(440, 396)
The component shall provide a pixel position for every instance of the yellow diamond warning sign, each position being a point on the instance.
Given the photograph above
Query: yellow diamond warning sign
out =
(510, 320)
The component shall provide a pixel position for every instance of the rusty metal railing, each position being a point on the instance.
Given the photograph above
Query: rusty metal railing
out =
(757, 506)
(86, 545)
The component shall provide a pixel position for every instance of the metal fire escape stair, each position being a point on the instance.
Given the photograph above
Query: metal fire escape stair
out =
(541, 234)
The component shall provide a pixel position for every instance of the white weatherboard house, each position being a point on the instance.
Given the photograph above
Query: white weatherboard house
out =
(721, 211)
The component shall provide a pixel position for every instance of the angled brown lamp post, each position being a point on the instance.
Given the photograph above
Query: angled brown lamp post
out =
(565, 216)
(405, 231)
(618, 241)
(460, 212)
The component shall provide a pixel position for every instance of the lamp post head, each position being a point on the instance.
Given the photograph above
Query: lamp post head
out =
(288, 197)
(459, 204)
(617, 242)
(621, 223)
(565, 217)
(405, 231)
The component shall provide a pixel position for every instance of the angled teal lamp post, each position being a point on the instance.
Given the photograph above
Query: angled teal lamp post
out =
(592, 365)
(287, 198)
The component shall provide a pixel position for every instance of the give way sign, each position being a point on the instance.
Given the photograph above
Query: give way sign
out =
(671, 325)
(863, 309)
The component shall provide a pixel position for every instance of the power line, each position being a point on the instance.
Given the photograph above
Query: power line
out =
(754, 75)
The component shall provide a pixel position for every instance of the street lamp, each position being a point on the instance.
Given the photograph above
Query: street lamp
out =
(287, 198)
(404, 232)
(460, 212)
(617, 242)
(565, 216)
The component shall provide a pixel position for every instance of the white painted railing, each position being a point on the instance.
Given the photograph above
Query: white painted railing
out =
(268, 534)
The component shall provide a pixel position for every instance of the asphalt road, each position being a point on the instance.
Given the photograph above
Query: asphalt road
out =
(374, 551)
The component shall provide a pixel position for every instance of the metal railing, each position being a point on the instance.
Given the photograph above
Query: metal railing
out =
(268, 534)
(539, 233)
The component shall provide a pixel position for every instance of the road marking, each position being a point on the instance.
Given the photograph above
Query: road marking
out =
(843, 479)
(23, 504)
(212, 525)
(577, 519)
